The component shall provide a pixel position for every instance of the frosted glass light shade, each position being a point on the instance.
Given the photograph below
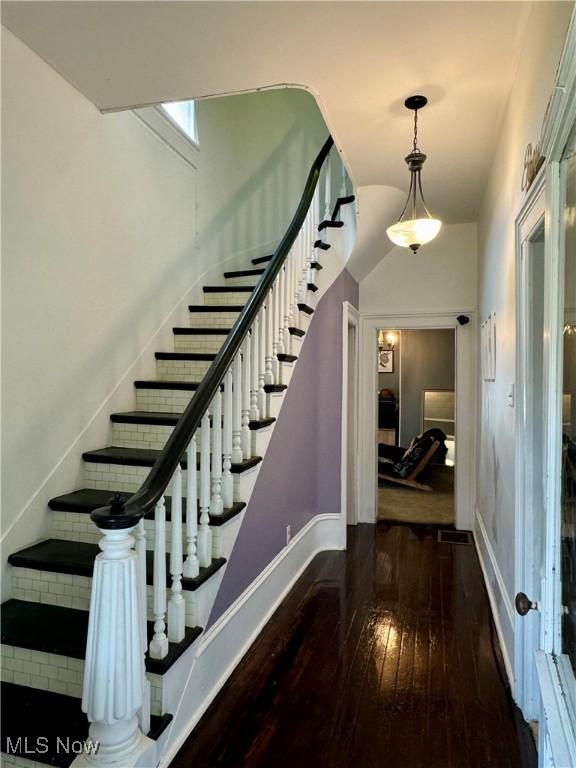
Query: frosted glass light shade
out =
(414, 232)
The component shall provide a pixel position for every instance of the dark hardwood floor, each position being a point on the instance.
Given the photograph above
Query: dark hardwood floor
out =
(382, 655)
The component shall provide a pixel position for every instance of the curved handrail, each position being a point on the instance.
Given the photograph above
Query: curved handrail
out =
(119, 514)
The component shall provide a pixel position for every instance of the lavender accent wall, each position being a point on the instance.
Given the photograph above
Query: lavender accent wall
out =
(300, 474)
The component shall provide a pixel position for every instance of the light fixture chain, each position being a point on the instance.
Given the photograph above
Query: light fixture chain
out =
(415, 145)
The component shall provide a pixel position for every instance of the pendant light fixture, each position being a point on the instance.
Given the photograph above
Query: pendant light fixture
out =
(418, 227)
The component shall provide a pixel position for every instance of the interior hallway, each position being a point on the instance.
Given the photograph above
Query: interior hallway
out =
(380, 656)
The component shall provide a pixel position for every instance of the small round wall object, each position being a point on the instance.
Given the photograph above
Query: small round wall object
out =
(523, 604)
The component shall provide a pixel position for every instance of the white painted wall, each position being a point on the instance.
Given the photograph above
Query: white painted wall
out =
(537, 64)
(248, 205)
(441, 277)
(101, 256)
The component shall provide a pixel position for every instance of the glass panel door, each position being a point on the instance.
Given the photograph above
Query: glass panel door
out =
(568, 428)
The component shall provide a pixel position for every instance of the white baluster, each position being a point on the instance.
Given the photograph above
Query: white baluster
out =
(274, 316)
(237, 455)
(114, 667)
(204, 532)
(216, 504)
(176, 605)
(246, 437)
(262, 361)
(227, 479)
(269, 335)
(159, 643)
(254, 411)
(286, 307)
(327, 190)
(343, 177)
(280, 331)
(191, 567)
(140, 538)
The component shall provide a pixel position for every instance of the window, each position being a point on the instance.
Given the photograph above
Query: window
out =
(183, 114)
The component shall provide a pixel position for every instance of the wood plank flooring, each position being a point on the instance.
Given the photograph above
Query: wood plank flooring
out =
(383, 655)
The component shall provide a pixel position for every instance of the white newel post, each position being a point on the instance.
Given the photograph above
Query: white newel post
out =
(114, 669)
(204, 532)
(176, 604)
(159, 642)
(140, 538)
(191, 567)
(227, 479)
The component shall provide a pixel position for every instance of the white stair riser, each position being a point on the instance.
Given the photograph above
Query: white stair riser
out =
(250, 280)
(230, 298)
(121, 477)
(164, 400)
(274, 402)
(206, 342)
(44, 671)
(182, 370)
(60, 674)
(70, 591)
(155, 437)
(215, 319)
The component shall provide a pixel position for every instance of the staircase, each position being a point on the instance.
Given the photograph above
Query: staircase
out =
(117, 642)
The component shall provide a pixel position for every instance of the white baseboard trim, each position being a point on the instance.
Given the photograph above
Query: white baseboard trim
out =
(225, 643)
(484, 545)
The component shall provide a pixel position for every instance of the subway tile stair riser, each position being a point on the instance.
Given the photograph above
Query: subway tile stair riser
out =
(140, 435)
(214, 319)
(166, 400)
(248, 280)
(58, 674)
(226, 299)
(182, 370)
(209, 344)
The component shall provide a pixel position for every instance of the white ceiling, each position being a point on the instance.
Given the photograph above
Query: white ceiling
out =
(360, 59)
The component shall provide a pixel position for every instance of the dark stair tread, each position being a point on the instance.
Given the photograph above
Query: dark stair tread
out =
(228, 288)
(86, 500)
(199, 331)
(287, 358)
(63, 631)
(262, 259)
(164, 419)
(312, 287)
(51, 715)
(190, 386)
(244, 273)
(345, 200)
(185, 355)
(76, 558)
(275, 387)
(254, 425)
(146, 457)
(305, 308)
(322, 245)
(330, 225)
(316, 265)
(214, 308)
(296, 332)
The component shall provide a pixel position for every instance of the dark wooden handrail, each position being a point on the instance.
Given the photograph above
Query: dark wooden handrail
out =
(119, 514)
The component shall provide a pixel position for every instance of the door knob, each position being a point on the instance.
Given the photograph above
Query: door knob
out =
(523, 604)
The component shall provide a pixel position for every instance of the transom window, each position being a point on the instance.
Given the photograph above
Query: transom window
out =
(182, 113)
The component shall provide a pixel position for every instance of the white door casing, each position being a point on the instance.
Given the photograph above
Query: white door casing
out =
(465, 385)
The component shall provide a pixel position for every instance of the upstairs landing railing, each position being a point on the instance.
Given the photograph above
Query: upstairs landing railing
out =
(212, 436)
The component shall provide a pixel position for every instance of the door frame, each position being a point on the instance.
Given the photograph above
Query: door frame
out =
(466, 347)
(350, 320)
(527, 579)
(557, 722)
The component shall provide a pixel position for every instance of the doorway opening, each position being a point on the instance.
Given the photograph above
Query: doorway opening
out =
(416, 425)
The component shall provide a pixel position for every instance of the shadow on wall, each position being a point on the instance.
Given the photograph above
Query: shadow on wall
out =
(256, 151)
